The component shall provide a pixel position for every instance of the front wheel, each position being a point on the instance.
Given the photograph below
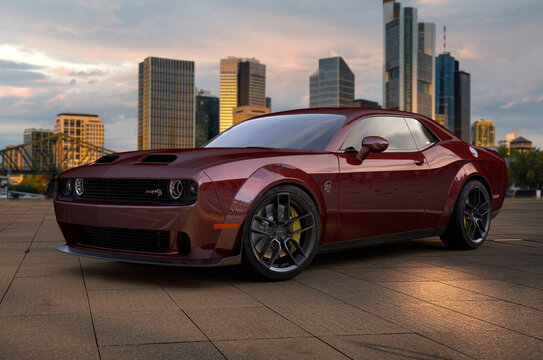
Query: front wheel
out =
(470, 222)
(281, 233)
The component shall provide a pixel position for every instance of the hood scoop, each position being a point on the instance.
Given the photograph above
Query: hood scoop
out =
(106, 159)
(159, 159)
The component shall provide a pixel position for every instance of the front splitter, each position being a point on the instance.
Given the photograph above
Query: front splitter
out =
(233, 260)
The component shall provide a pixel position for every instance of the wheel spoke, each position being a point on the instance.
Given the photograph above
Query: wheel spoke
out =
(274, 256)
(262, 218)
(298, 218)
(297, 245)
(289, 254)
(264, 249)
(481, 214)
(301, 230)
(258, 231)
(480, 226)
(287, 208)
(473, 227)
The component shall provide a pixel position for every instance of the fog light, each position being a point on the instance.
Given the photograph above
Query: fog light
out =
(67, 188)
(78, 187)
(176, 189)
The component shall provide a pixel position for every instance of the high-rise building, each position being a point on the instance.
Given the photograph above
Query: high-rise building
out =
(268, 103)
(242, 83)
(245, 112)
(462, 103)
(482, 133)
(332, 85)
(88, 128)
(39, 152)
(207, 117)
(409, 60)
(453, 95)
(166, 104)
(363, 103)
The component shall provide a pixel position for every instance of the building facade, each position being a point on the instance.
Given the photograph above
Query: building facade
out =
(242, 113)
(409, 60)
(332, 84)
(40, 153)
(363, 103)
(87, 128)
(482, 133)
(242, 83)
(207, 117)
(166, 111)
(453, 95)
(521, 144)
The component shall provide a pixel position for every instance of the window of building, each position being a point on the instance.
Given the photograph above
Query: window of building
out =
(393, 129)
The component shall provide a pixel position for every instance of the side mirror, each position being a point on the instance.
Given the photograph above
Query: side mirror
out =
(374, 144)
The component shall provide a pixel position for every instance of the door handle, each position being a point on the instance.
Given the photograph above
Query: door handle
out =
(418, 162)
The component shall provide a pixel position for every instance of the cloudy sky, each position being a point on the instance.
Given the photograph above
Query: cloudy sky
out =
(82, 56)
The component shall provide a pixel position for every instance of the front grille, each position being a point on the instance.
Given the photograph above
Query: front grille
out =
(126, 189)
(125, 239)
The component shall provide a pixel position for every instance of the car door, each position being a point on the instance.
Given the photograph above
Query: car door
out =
(385, 193)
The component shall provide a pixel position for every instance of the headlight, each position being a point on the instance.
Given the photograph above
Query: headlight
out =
(192, 189)
(78, 187)
(67, 188)
(176, 189)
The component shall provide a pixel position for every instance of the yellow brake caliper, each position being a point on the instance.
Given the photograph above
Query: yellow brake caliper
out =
(295, 226)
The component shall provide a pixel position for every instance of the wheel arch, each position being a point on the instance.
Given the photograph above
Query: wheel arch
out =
(262, 180)
(466, 173)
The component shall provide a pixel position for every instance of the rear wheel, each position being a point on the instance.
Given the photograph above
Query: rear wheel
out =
(470, 222)
(281, 234)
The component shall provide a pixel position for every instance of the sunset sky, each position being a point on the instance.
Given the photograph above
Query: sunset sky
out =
(82, 56)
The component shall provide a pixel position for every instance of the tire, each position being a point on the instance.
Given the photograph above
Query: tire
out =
(281, 234)
(470, 221)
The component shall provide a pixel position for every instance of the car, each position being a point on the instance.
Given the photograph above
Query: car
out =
(273, 191)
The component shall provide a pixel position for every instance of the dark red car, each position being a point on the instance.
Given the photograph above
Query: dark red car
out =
(273, 191)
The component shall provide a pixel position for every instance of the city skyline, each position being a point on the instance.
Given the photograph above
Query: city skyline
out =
(47, 68)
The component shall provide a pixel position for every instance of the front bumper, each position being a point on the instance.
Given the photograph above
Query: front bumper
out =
(211, 262)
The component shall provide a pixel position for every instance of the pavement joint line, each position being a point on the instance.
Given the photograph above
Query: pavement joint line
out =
(292, 322)
(467, 315)
(191, 320)
(380, 317)
(158, 343)
(25, 253)
(90, 308)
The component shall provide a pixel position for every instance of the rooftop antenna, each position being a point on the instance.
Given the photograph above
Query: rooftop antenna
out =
(444, 39)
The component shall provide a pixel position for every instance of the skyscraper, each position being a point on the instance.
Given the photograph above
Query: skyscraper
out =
(207, 117)
(242, 83)
(85, 127)
(332, 84)
(166, 104)
(409, 60)
(38, 153)
(453, 95)
(482, 133)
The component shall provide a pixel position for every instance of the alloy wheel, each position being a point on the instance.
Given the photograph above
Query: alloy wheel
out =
(476, 215)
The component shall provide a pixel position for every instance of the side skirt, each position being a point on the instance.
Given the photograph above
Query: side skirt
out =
(380, 240)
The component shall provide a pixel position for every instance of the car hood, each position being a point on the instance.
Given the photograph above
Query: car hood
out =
(186, 163)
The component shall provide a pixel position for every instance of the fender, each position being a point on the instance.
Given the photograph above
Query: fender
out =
(464, 174)
(258, 183)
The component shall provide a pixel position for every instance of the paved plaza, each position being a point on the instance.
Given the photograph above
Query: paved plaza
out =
(411, 300)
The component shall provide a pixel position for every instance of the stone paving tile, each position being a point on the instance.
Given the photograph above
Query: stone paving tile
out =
(210, 297)
(434, 291)
(499, 290)
(438, 273)
(392, 346)
(326, 276)
(511, 275)
(60, 336)
(293, 348)
(256, 322)
(173, 351)
(335, 318)
(511, 316)
(45, 295)
(108, 275)
(130, 300)
(382, 274)
(145, 328)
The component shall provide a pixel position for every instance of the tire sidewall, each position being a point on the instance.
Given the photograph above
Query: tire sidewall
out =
(248, 257)
(459, 212)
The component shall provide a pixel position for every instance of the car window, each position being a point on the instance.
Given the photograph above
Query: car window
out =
(423, 137)
(394, 129)
(295, 131)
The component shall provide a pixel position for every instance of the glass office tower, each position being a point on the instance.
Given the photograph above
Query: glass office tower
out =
(332, 85)
(165, 104)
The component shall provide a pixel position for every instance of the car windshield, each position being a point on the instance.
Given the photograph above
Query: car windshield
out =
(298, 131)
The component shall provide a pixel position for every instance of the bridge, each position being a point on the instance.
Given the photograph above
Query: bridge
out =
(50, 155)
